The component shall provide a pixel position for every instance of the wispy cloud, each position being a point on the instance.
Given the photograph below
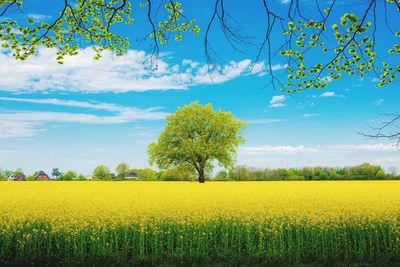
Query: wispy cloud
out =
(329, 149)
(326, 95)
(264, 121)
(278, 67)
(310, 115)
(28, 123)
(379, 102)
(72, 103)
(266, 149)
(131, 72)
(15, 129)
(277, 101)
(38, 17)
(330, 94)
(389, 159)
(328, 155)
(380, 147)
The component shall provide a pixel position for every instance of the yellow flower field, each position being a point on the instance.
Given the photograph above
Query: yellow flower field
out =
(185, 223)
(125, 202)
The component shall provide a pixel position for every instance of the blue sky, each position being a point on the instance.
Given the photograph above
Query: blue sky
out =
(85, 113)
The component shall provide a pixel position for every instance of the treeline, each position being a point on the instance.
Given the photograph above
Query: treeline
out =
(364, 171)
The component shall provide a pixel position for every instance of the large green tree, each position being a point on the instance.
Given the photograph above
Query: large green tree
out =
(196, 136)
(122, 170)
(68, 176)
(102, 172)
(55, 172)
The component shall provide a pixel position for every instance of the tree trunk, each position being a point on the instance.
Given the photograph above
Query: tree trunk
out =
(201, 176)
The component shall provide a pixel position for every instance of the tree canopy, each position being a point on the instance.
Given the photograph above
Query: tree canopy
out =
(90, 22)
(195, 137)
(55, 172)
(122, 170)
(68, 176)
(102, 172)
(342, 42)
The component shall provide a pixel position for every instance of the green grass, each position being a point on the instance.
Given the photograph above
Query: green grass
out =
(223, 242)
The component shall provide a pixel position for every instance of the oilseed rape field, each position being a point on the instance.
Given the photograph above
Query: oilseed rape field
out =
(185, 223)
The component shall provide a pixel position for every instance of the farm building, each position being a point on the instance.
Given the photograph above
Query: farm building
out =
(42, 176)
(132, 175)
(17, 177)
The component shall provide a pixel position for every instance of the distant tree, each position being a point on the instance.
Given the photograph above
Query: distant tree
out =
(122, 170)
(393, 171)
(102, 172)
(364, 171)
(222, 175)
(380, 174)
(55, 173)
(259, 174)
(197, 136)
(81, 177)
(68, 176)
(2, 176)
(32, 177)
(181, 173)
(322, 176)
(240, 173)
(17, 171)
(8, 173)
(146, 174)
(295, 175)
(280, 174)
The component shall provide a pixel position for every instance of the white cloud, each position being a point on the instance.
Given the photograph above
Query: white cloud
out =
(328, 94)
(379, 102)
(329, 149)
(264, 121)
(277, 150)
(389, 159)
(130, 72)
(39, 116)
(262, 69)
(310, 115)
(12, 129)
(28, 123)
(364, 147)
(277, 101)
(38, 17)
(277, 98)
(328, 155)
(285, 2)
(277, 105)
(279, 67)
(72, 103)
(258, 67)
